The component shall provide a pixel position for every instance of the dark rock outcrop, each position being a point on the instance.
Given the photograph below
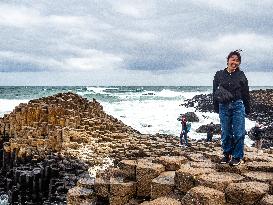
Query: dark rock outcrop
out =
(190, 116)
(204, 128)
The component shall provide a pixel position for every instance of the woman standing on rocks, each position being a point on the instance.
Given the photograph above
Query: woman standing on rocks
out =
(232, 104)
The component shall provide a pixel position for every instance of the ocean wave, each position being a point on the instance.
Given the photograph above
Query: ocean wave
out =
(96, 89)
(148, 109)
(6, 105)
(169, 93)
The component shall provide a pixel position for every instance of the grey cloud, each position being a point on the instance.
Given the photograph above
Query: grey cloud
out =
(9, 66)
(155, 36)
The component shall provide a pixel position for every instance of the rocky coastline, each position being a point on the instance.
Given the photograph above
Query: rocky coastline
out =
(58, 150)
(51, 142)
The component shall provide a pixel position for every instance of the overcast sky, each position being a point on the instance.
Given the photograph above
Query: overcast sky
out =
(134, 42)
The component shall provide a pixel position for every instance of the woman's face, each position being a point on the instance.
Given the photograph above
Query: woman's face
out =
(233, 63)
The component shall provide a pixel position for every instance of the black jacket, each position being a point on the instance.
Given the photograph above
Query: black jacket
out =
(236, 83)
(210, 129)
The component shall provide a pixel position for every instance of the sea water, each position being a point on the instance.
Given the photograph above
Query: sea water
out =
(150, 110)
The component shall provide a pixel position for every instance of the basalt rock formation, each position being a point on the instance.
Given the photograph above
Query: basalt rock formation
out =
(193, 177)
(47, 144)
(51, 147)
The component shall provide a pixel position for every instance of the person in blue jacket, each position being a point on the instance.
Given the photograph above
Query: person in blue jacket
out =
(184, 131)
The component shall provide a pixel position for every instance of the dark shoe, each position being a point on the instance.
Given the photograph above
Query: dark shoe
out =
(225, 159)
(235, 162)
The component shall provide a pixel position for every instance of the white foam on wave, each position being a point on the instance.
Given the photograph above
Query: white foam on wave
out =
(96, 89)
(249, 125)
(150, 116)
(159, 116)
(6, 105)
(148, 93)
(100, 90)
(169, 93)
(181, 94)
(151, 95)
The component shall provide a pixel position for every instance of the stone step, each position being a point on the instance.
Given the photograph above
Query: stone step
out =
(163, 185)
(172, 163)
(218, 180)
(204, 195)
(79, 195)
(260, 166)
(267, 200)
(145, 173)
(246, 192)
(259, 176)
(162, 201)
(232, 169)
(185, 178)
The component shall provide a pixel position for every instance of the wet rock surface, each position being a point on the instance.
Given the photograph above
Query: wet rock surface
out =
(34, 181)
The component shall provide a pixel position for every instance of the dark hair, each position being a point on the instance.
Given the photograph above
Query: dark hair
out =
(236, 52)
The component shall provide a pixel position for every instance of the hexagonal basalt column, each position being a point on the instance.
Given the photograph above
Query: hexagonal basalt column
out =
(128, 167)
(246, 192)
(203, 195)
(185, 178)
(121, 192)
(218, 180)
(102, 187)
(267, 200)
(145, 173)
(162, 201)
(172, 163)
(259, 176)
(163, 185)
(78, 195)
(260, 166)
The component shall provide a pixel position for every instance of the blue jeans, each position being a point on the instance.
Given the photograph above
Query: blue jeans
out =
(183, 134)
(209, 137)
(232, 118)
